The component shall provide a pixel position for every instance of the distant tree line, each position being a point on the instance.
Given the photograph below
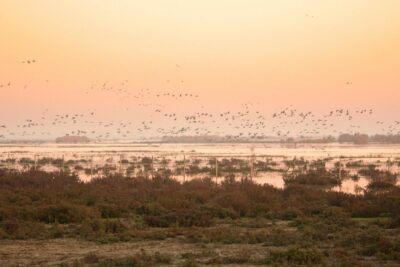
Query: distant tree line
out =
(358, 138)
(354, 138)
(365, 139)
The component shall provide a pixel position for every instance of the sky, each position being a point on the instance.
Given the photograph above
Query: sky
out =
(310, 55)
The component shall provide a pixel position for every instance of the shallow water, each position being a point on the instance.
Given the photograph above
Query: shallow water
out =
(98, 155)
(261, 149)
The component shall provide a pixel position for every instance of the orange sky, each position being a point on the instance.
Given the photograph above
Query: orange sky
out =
(274, 53)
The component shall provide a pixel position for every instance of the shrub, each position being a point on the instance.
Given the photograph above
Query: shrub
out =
(181, 218)
(297, 256)
(61, 213)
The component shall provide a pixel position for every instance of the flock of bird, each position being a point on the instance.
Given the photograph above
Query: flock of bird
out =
(248, 121)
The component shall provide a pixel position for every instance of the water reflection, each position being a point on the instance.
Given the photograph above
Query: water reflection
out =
(96, 160)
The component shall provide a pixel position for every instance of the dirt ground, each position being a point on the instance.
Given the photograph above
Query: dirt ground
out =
(57, 251)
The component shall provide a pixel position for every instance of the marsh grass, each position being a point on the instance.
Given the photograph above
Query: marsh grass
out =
(303, 224)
